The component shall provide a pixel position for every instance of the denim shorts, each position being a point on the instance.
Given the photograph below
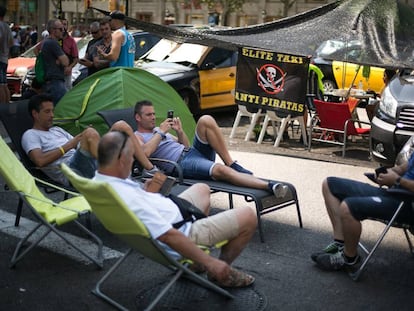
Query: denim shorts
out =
(3, 73)
(199, 160)
(366, 201)
(83, 163)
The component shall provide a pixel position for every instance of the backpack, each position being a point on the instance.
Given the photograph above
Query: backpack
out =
(40, 68)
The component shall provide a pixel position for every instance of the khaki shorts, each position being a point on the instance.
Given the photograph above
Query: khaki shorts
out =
(214, 229)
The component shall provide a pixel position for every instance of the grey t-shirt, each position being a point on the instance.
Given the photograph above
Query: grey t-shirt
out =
(51, 50)
(46, 141)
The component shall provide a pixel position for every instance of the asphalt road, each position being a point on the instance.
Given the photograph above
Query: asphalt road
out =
(53, 277)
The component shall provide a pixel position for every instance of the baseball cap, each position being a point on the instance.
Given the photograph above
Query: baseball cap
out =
(117, 15)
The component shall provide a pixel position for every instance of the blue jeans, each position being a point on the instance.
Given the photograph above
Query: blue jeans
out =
(370, 202)
(199, 161)
(56, 89)
(83, 163)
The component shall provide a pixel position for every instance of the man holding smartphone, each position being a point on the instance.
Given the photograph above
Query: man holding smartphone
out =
(348, 202)
(197, 161)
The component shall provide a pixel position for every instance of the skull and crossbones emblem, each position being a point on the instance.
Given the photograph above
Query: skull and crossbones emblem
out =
(271, 78)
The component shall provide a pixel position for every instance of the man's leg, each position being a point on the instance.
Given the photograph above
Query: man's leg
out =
(199, 196)
(89, 141)
(351, 231)
(139, 154)
(4, 90)
(247, 221)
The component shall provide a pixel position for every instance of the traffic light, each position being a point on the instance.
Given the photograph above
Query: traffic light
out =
(112, 5)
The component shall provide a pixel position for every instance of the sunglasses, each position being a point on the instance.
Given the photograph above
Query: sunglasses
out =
(94, 32)
(125, 139)
(61, 29)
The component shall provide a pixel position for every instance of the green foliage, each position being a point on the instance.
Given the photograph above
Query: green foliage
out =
(231, 5)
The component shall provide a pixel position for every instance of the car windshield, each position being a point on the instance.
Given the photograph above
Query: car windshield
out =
(337, 49)
(173, 52)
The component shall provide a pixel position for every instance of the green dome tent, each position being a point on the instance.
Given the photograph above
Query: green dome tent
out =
(116, 88)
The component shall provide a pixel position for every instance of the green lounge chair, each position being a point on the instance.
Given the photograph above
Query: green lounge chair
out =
(117, 218)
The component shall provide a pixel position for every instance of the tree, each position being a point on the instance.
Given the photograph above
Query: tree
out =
(228, 6)
(287, 4)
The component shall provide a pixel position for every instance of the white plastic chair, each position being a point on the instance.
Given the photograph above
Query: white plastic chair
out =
(271, 116)
(243, 112)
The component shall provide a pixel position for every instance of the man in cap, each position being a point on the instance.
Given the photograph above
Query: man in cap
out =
(123, 45)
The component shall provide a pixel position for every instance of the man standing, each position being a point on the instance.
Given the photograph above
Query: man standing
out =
(55, 60)
(6, 41)
(71, 50)
(105, 44)
(87, 61)
(123, 45)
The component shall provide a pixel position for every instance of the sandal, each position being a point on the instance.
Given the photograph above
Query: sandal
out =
(236, 279)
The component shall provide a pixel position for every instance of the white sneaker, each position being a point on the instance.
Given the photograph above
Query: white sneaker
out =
(280, 190)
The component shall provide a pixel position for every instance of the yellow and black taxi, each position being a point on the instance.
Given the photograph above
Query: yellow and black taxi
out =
(204, 76)
(344, 75)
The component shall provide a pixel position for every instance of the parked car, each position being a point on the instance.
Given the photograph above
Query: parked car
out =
(144, 41)
(204, 76)
(393, 123)
(19, 67)
(341, 75)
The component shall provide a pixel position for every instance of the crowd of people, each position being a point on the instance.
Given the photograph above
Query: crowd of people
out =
(111, 46)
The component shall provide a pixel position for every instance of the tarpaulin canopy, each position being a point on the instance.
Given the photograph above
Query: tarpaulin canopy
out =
(385, 29)
(116, 88)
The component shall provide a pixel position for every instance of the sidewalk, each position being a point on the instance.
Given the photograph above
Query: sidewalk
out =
(286, 278)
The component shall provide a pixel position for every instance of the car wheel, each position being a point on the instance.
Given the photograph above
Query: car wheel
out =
(190, 100)
(329, 85)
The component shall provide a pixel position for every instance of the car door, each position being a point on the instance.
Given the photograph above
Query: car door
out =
(345, 74)
(217, 79)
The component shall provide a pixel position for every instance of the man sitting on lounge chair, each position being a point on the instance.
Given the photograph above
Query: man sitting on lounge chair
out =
(197, 161)
(48, 146)
(164, 221)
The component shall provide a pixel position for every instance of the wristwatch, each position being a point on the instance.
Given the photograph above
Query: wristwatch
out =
(163, 136)
(397, 182)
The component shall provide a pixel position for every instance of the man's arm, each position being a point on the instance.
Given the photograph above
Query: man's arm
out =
(42, 159)
(181, 135)
(117, 41)
(188, 249)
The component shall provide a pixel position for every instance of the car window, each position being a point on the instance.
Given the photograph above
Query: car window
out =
(143, 43)
(187, 53)
(219, 58)
(160, 51)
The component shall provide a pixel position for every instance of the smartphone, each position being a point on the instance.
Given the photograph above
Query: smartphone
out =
(380, 170)
(170, 114)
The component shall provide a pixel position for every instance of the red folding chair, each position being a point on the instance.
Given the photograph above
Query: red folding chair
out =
(335, 123)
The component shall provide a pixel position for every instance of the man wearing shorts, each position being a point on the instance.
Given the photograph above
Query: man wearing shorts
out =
(348, 202)
(48, 146)
(198, 161)
(159, 214)
(6, 41)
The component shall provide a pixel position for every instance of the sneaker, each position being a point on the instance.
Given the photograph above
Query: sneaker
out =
(240, 168)
(279, 190)
(331, 248)
(335, 262)
(149, 173)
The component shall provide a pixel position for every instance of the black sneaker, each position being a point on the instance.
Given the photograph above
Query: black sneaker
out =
(331, 248)
(335, 262)
(240, 168)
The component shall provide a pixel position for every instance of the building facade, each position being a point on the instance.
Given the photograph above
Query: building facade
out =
(252, 12)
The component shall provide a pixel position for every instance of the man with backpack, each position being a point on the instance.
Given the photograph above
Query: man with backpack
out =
(54, 62)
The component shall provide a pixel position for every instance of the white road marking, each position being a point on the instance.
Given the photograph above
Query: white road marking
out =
(53, 242)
